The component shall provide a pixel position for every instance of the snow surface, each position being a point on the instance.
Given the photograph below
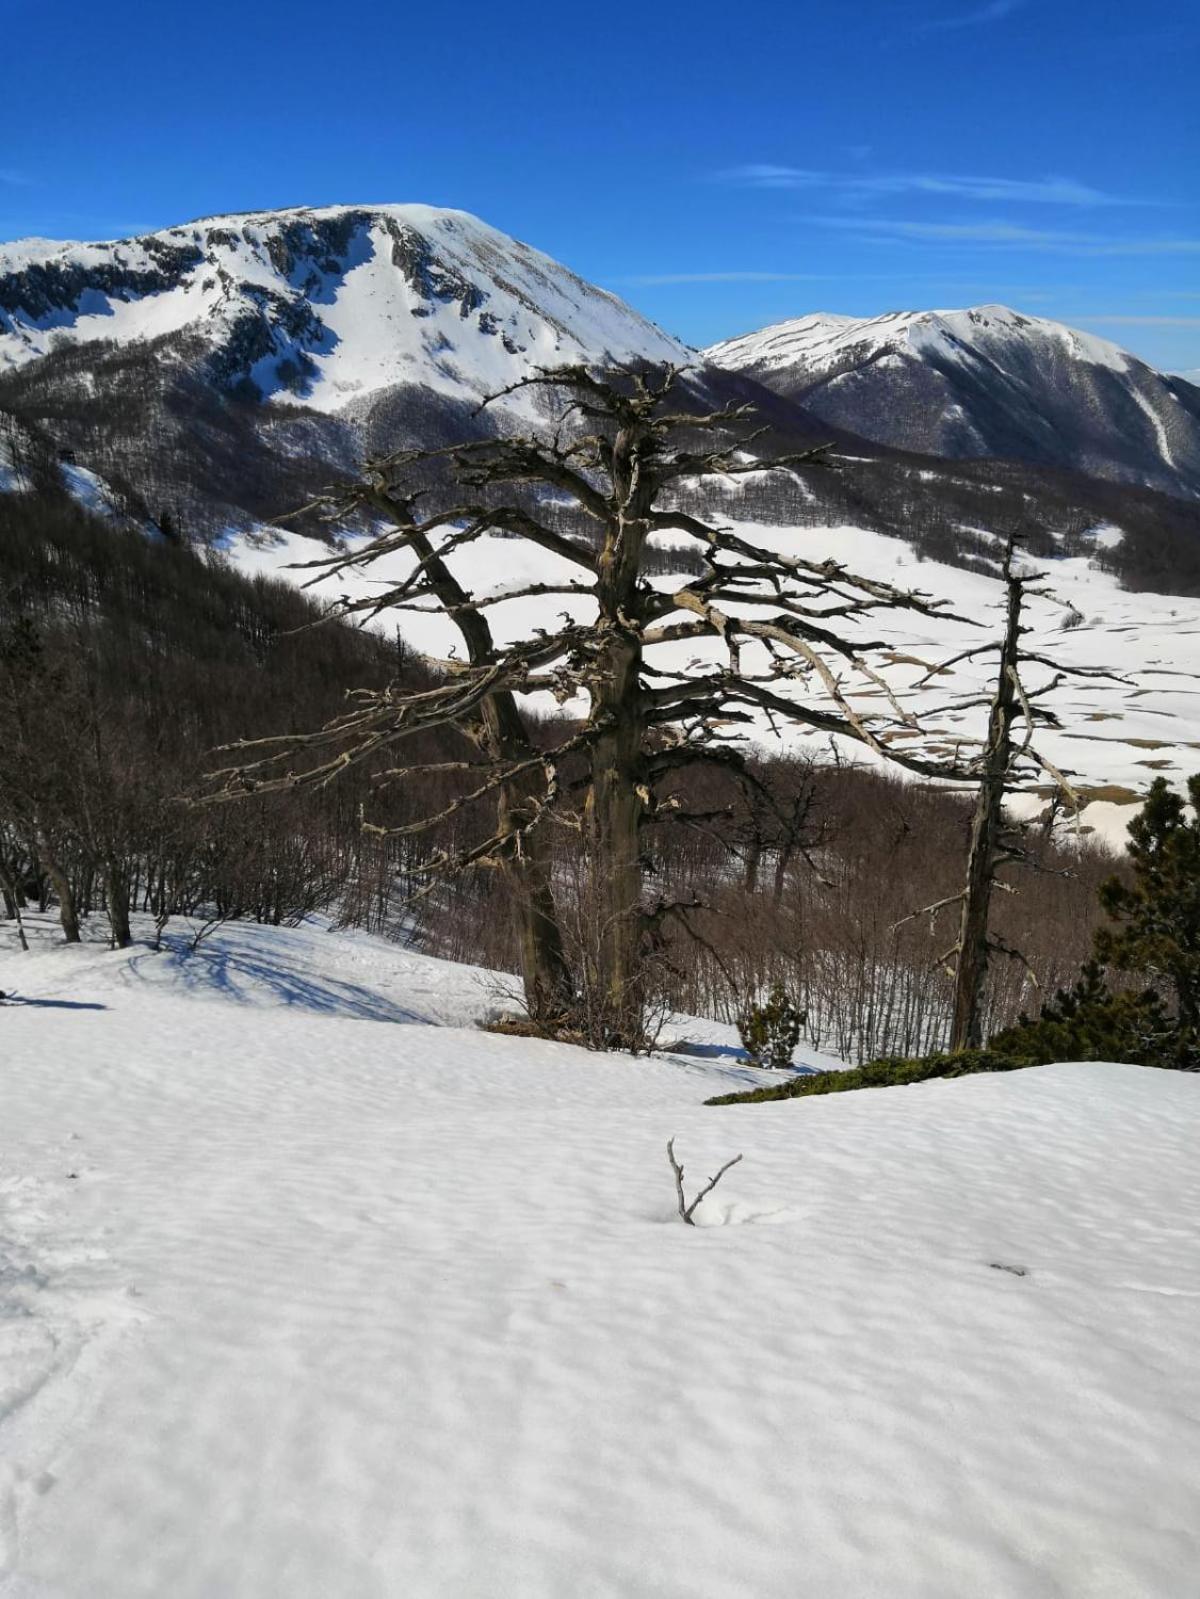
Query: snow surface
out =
(1157, 423)
(87, 488)
(305, 1292)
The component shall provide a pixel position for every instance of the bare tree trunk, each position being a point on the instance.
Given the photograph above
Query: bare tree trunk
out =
(545, 970)
(67, 912)
(619, 790)
(116, 891)
(615, 828)
(966, 1030)
(754, 851)
(12, 903)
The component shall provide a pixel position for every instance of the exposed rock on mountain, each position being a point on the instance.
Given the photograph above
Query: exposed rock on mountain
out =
(327, 305)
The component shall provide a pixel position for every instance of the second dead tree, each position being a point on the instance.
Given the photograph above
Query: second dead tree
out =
(1008, 761)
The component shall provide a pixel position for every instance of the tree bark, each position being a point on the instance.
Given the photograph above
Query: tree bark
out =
(619, 788)
(116, 892)
(545, 970)
(12, 903)
(615, 830)
(68, 915)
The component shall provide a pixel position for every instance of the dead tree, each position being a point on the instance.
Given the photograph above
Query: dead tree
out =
(1007, 761)
(653, 675)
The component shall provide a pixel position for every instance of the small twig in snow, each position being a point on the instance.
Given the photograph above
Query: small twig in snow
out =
(686, 1211)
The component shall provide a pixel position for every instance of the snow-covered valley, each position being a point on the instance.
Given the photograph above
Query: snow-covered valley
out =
(1116, 733)
(309, 1287)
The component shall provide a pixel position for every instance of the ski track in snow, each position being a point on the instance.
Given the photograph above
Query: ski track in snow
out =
(344, 1303)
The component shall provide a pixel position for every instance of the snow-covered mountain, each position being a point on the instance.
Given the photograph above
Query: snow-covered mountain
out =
(221, 371)
(984, 382)
(329, 305)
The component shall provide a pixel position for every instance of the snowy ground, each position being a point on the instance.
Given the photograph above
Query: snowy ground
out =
(307, 1291)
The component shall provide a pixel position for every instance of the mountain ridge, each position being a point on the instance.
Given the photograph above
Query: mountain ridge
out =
(984, 381)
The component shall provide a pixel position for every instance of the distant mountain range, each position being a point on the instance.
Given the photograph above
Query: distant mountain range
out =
(213, 376)
(984, 382)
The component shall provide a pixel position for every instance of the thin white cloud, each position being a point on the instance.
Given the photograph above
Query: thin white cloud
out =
(994, 11)
(20, 180)
(1143, 321)
(1005, 235)
(1050, 190)
(647, 280)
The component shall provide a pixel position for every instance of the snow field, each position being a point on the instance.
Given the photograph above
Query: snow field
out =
(341, 1304)
(1117, 732)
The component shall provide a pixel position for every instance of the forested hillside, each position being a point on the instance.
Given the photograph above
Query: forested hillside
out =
(124, 660)
(127, 658)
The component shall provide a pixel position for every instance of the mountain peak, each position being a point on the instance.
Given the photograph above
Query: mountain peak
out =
(985, 380)
(327, 303)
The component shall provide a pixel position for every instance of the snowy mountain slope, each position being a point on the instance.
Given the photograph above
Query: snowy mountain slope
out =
(330, 305)
(303, 1294)
(984, 382)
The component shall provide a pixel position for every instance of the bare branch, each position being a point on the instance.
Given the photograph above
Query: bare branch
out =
(686, 1211)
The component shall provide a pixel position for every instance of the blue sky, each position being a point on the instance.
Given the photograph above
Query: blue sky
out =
(721, 166)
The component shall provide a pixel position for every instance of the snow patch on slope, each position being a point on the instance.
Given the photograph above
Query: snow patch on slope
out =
(1157, 423)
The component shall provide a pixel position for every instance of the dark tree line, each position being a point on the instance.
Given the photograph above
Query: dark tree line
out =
(123, 660)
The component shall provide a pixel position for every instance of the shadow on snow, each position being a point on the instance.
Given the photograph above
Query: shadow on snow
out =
(248, 977)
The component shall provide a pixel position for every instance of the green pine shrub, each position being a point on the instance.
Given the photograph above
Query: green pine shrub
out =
(1086, 1022)
(770, 1030)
